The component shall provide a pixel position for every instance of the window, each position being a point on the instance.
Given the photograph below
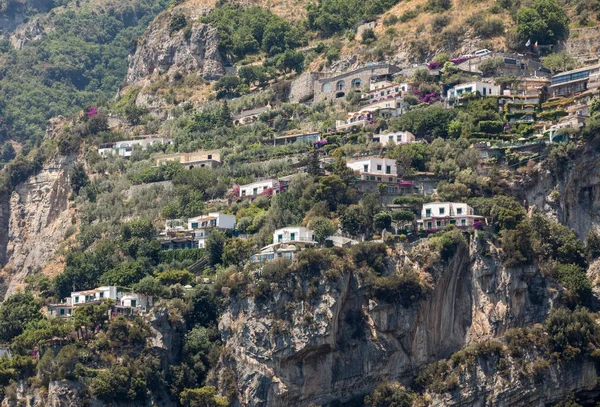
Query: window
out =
(133, 303)
(484, 91)
(372, 177)
(194, 225)
(442, 210)
(279, 238)
(452, 222)
(427, 213)
(378, 178)
(76, 299)
(326, 87)
(101, 295)
(378, 167)
(438, 224)
(366, 168)
(459, 211)
(254, 191)
(62, 311)
(69, 312)
(292, 236)
(429, 225)
(210, 156)
(463, 222)
(390, 179)
(243, 192)
(388, 169)
(341, 85)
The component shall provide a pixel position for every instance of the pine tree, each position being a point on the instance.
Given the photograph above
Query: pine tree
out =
(314, 167)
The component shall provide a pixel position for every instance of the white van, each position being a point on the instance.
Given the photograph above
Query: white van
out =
(482, 52)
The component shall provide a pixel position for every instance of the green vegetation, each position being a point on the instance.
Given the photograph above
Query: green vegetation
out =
(82, 60)
(329, 17)
(249, 30)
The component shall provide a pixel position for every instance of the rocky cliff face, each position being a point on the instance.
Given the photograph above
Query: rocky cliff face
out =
(161, 52)
(34, 221)
(569, 191)
(342, 344)
(481, 385)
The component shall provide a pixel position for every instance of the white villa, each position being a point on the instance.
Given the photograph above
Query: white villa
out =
(397, 138)
(438, 215)
(180, 234)
(286, 241)
(256, 188)
(484, 89)
(125, 148)
(124, 302)
(375, 169)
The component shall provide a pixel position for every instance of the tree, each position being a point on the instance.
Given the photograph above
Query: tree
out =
(78, 177)
(592, 245)
(227, 86)
(368, 36)
(15, 313)
(314, 165)
(125, 274)
(382, 220)
(403, 216)
(202, 397)
(559, 62)
(334, 191)
(290, 60)
(341, 169)
(149, 286)
(170, 277)
(353, 221)
(237, 251)
(225, 114)
(322, 228)
(8, 152)
(251, 74)
(215, 244)
(430, 122)
(545, 21)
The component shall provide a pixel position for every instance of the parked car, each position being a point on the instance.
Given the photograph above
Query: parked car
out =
(482, 52)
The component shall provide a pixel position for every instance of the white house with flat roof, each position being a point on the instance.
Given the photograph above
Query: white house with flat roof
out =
(202, 225)
(484, 89)
(286, 242)
(258, 187)
(438, 215)
(125, 148)
(375, 169)
(396, 138)
(123, 303)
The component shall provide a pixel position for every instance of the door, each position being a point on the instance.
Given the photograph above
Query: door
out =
(133, 303)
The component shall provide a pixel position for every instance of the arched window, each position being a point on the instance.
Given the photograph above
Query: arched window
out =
(340, 85)
(356, 83)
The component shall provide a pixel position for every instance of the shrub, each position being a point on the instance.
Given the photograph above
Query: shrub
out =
(493, 27)
(15, 313)
(171, 277)
(404, 289)
(438, 6)
(368, 36)
(178, 22)
(439, 22)
(391, 394)
(447, 243)
(575, 280)
(571, 332)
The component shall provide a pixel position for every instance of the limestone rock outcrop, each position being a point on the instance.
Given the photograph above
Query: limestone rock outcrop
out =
(35, 219)
(341, 344)
(161, 51)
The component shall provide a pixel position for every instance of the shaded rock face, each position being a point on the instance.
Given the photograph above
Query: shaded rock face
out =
(35, 221)
(163, 52)
(341, 345)
(484, 387)
(575, 201)
(60, 394)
